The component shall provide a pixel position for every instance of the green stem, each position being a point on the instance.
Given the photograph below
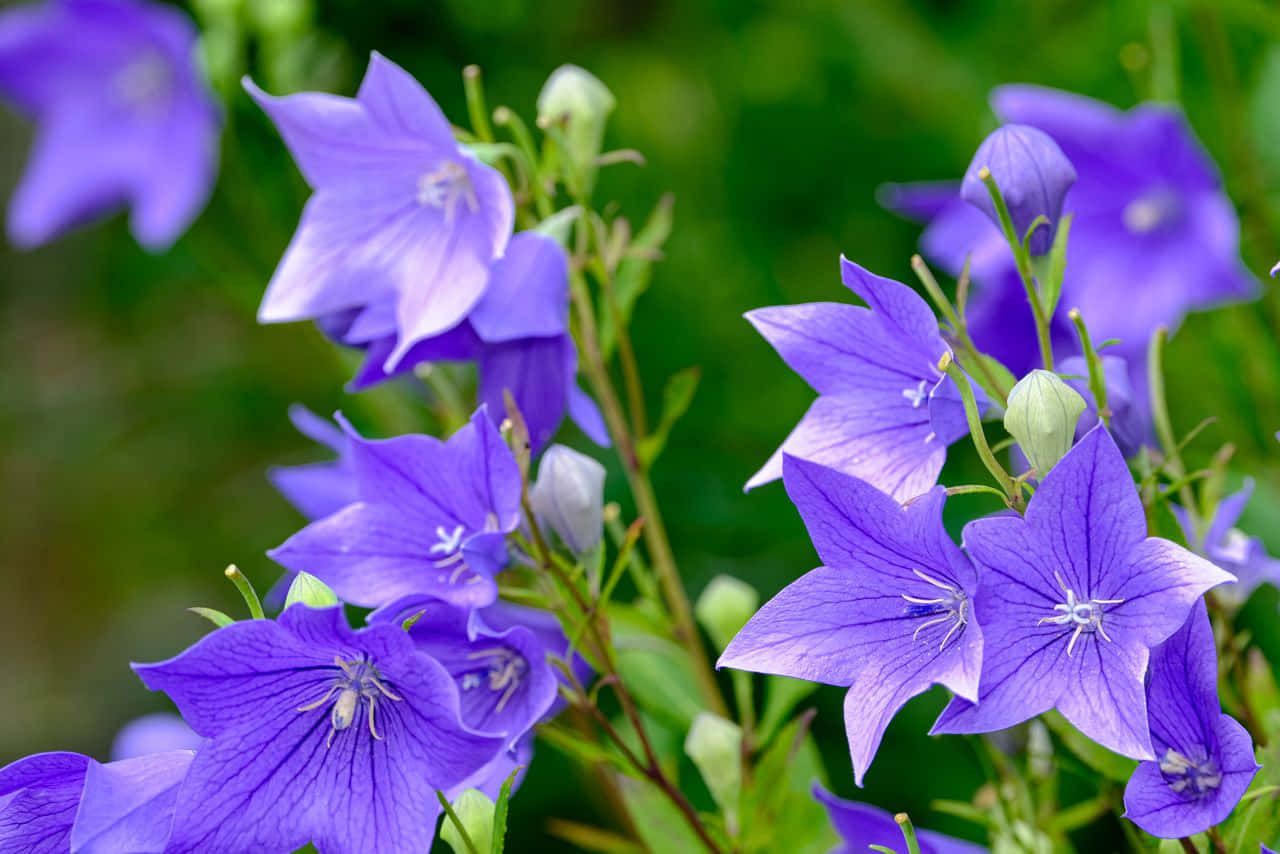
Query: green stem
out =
(956, 319)
(1001, 476)
(655, 533)
(473, 86)
(507, 118)
(1023, 261)
(1097, 379)
(908, 832)
(1164, 427)
(246, 591)
(457, 823)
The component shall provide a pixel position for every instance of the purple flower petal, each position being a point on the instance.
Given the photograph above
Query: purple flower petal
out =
(528, 294)
(38, 798)
(862, 825)
(128, 805)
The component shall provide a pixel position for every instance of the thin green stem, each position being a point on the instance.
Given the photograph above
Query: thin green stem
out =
(1002, 477)
(1023, 262)
(457, 823)
(1097, 380)
(957, 322)
(1164, 427)
(908, 832)
(507, 118)
(249, 595)
(473, 86)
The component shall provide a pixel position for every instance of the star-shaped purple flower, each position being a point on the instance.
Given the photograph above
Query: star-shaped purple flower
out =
(1204, 759)
(517, 335)
(885, 413)
(431, 518)
(315, 733)
(862, 825)
(123, 117)
(505, 683)
(888, 615)
(1227, 546)
(1153, 235)
(401, 214)
(1074, 595)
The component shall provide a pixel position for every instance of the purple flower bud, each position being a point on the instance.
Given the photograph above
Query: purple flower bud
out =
(1033, 176)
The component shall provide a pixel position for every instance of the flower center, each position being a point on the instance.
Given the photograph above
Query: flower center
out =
(1084, 614)
(357, 680)
(951, 606)
(1151, 210)
(505, 669)
(444, 187)
(917, 395)
(145, 81)
(1187, 776)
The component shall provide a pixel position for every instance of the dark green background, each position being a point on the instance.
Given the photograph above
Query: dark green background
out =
(140, 403)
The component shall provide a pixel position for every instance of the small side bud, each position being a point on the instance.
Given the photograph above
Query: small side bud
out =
(1042, 415)
(568, 496)
(715, 746)
(576, 97)
(310, 591)
(475, 812)
(724, 608)
(1033, 176)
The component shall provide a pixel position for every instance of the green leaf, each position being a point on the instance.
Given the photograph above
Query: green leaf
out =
(677, 396)
(216, 617)
(660, 677)
(1110, 765)
(468, 824)
(500, 814)
(715, 746)
(987, 368)
(1051, 284)
(778, 810)
(660, 825)
(634, 272)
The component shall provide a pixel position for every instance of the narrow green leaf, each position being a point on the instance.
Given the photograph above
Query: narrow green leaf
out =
(634, 272)
(1051, 287)
(677, 396)
(216, 617)
(500, 813)
(990, 367)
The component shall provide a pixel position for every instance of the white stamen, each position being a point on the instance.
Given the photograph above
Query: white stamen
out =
(1083, 614)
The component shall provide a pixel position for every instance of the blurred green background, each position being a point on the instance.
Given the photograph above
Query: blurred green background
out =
(140, 404)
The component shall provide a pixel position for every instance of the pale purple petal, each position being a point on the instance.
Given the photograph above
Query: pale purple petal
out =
(400, 106)
(128, 805)
(158, 732)
(1159, 583)
(533, 370)
(528, 294)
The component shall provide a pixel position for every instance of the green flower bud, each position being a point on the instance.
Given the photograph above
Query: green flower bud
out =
(1042, 416)
(576, 97)
(310, 591)
(715, 746)
(568, 496)
(474, 809)
(724, 608)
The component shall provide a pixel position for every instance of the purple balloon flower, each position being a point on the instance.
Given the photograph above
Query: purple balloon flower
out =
(315, 732)
(123, 117)
(431, 518)
(1033, 176)
(1130, 426)
(517, 335)
(401, 214)
(1204, 759)
(885, 413)
(1227, 546)
(1153, 236)
(318, 489)
(862, 825)
(888, 615)
(1074, 595)
(505, 683)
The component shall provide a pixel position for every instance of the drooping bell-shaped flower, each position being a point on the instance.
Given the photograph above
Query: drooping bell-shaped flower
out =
(1033, 176)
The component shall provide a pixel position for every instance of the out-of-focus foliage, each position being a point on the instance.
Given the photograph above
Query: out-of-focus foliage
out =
(140, 404)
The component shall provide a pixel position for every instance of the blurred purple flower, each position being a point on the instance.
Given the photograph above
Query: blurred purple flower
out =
(885, 413)
(315, 733)
(402, 219)
(1227, 546)
(1204, 759)
(1033, 176)
(123, 117)
(1130, 426)
(155, 733)
(888, 615)
(1153, 235)
(1074, 595)
(431, 518)
(317, 489)
(517, 335)
(862, 825)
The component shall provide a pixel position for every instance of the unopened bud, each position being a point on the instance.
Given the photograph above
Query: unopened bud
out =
(724, 608)
(715, 746)
(1042, 416)
(576, 97)
(310, 591)
(1033, 176)
(475, 812)
(568, 496)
